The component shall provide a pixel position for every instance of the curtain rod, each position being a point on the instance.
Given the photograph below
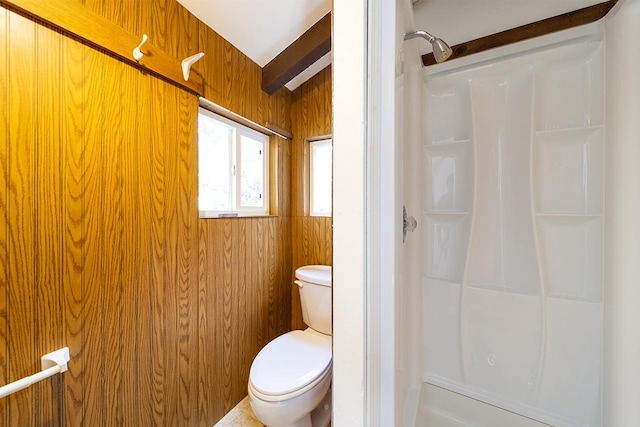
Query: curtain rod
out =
(224, 112)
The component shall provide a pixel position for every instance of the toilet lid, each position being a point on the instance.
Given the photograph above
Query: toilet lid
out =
(290, 362)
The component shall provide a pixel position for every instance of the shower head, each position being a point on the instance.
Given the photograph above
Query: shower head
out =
(441, 50)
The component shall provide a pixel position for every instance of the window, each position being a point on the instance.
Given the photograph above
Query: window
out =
(320, 170)
(232, 168)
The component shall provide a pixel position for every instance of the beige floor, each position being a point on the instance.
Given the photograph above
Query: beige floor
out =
(240, 416)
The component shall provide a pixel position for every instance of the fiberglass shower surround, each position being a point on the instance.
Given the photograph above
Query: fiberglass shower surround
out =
(513, 232)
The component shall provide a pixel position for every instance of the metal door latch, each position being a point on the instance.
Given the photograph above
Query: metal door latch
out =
(409, 223)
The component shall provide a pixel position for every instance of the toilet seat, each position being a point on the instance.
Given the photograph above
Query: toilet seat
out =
(290, 365)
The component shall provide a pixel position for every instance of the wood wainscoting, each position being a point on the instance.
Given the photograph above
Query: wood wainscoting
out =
(312, 235)
(101, 247)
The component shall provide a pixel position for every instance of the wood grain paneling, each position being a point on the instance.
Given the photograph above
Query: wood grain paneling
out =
(156, 248)
(242, 280)
(95, 196)
(108, 182)
(48, 219)
(101, 247)
(4, 209)
(172, 223)
(131, 229)
(141, 238)
(22, 207)
(158, 27)
(105, 32)
(311, 236)
(187, 291)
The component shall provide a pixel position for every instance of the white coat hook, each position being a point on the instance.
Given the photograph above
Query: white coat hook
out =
(137, 55)
(188, 62)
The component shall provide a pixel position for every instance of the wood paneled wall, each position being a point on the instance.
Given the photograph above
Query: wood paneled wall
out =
(312, 236)
(101, 247)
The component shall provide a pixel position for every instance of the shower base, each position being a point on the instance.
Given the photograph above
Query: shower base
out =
(439, 407)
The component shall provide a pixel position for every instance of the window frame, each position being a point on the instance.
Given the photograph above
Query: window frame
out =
(235, 169)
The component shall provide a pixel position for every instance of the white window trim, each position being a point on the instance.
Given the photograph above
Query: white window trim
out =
(241, 129)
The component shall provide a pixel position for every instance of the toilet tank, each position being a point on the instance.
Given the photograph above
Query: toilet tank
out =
(314, 282)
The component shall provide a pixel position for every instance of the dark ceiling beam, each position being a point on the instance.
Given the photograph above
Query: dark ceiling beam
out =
(529, 31)
(298, 56)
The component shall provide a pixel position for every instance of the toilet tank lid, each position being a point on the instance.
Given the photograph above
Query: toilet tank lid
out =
(318, 274)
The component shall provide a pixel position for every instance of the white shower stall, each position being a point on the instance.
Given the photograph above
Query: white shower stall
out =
(519, 298)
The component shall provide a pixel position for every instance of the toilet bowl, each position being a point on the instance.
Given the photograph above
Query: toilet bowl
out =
(290, 378)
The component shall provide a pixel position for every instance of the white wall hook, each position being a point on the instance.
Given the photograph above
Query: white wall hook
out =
(137, 55)
(188, 62)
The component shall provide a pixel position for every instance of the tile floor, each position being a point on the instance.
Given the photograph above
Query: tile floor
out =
(240, 416)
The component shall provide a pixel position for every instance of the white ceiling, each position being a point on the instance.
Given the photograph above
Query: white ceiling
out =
(261, 29)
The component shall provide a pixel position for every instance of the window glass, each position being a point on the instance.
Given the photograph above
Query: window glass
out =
(232, 167)
(251, 181)
(321, 159)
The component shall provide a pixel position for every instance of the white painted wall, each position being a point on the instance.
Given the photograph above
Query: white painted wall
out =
(349, 84)
(621, 391)
(384, 213)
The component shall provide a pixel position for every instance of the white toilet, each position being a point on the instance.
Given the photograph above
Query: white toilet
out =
(289, 381)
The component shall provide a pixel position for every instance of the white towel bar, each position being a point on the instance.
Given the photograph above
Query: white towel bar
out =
(51, 363)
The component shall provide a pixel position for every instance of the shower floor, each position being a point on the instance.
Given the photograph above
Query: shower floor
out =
(439, 407)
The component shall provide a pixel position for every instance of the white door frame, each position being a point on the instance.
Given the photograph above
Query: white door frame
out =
(365, 212)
